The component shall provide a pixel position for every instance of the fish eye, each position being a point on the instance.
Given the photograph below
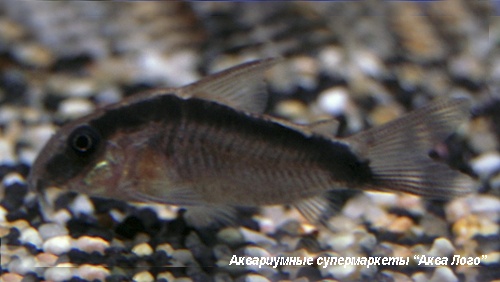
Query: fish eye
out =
(84, 140)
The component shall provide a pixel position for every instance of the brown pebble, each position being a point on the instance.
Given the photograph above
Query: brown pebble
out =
(143, 249)
(401, 225)
(92, 272)
(90, 244)
(11, 277)
(46, 259)
(143, 276)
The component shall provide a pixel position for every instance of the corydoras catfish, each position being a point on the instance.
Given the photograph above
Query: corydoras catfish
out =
(209, 147)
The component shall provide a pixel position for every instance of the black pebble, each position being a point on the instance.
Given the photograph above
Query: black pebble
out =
(17, 215)
(159, 259)
(12, 238)
(310, 272)
(149, 219)
(102, 205)
(20, 168)
(51, 101)
(14, 86)
(86, 225)
(77, 279)
(30, 277)
(117, 278)
(130, 227)
(14, 196)
(72, 63)
(78, 257)
(132, 89)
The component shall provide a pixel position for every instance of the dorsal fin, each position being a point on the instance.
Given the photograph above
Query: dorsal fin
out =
(326, 128)
(241, 87)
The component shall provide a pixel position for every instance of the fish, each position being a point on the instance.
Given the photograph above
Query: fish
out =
(210, 148)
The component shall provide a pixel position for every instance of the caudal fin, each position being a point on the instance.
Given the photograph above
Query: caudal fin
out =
(398, 151)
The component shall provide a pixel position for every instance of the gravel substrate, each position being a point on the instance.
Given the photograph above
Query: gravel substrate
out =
(364, 63)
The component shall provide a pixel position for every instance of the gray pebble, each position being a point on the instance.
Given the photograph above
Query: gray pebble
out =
(231, 236)
(58, 245)
(22, 265)
(31, 235)
(443, 274)
(59, 273)
(441, 247)
(49, 230)
(486, 164)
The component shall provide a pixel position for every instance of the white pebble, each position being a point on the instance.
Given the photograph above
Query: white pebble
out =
(91, 244)
(167, 248)
(3, 213)
(58, 245)
(441, 247)
(255, 237)
(383, 198)
(332, 60)
(92, 272)
(117, 215)
(6, 152)
(109, 96)
(143, 276)
(368, 63)
(22, 265)
(61, 272)
(254, 251)
(49, 230)
(255, 278)
(31, 235)
(81, 205)
(33, 54)
(443, 274)
(39, 135)
(72, 86)
(338, 271)
(341, 242)
(419, 277)
(334, 101)
(61, 216)
(230, 236)
(143, 249)
(484, 204)
(183, 256)
(12, 178)
(486, 164)
(75, 107)
(491, 258)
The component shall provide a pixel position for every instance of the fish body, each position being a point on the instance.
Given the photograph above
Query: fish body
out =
(209, 147)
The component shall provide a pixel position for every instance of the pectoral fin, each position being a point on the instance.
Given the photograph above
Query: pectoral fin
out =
(198, 212)
(207, 215)
(318, 209)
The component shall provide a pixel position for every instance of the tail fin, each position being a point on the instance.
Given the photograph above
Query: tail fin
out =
(398, 151)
